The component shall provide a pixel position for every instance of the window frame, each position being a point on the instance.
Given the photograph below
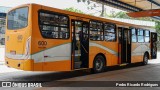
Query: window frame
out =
(115, 29)
(54, 13)
(97, 30)
(134, 34)
(146, 36)
(140, 29)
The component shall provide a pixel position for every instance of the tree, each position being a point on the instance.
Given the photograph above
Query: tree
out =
(72, 9)
(157, 27)
(103, 10)
(118, 15)
(92, 5)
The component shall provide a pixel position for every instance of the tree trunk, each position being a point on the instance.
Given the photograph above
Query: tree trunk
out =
(103, 10)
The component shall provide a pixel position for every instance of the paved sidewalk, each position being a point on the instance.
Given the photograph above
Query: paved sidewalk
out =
(2, 63)
(5, 69)
(2, 54)
(2, 46)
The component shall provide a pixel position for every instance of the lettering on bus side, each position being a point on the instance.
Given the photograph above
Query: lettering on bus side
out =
(19, 37)
(42, 44)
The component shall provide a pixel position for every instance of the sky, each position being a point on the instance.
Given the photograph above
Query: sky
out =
(61, 4)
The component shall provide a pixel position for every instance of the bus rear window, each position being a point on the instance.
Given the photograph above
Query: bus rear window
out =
(18, 18)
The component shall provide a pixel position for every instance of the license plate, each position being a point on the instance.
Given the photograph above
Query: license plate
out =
(13, 52)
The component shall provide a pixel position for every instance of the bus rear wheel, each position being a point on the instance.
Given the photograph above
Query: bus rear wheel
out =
(145, 59)
(98, 64)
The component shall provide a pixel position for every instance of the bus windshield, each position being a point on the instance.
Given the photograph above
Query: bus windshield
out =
(18, 18)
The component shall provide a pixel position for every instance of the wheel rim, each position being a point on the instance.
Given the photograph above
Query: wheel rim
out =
(145, 59)
(99, 64)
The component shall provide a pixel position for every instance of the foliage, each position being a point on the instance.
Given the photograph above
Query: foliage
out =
(157, 27)
(72, 9)
(118, 15)
(93, 5)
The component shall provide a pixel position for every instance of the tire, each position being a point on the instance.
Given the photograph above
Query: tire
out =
(145, 59)
(98, 64)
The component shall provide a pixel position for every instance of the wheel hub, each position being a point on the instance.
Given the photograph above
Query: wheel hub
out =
(99, 64)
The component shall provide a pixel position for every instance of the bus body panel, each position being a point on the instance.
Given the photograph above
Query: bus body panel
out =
(138, 50)
(46, 54)
(109, 49)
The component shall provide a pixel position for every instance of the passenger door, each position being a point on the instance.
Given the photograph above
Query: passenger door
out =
(153, 45)
(80, 44)
(124, 45)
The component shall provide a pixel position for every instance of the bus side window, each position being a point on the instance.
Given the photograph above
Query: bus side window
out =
(110, 32)
(96, 31)
(140, 35)
(147, 36)
(134, 35)
(55, 26)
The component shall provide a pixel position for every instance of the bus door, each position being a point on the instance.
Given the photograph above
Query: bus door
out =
(80, 44)
(124, 36)
(153, 45)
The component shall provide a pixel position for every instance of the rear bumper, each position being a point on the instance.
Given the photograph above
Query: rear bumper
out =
(29, 65)
(26, 65)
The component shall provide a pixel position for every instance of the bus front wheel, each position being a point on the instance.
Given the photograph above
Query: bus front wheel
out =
(98, 64)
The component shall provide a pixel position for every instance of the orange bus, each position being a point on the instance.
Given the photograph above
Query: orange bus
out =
(41, 38)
